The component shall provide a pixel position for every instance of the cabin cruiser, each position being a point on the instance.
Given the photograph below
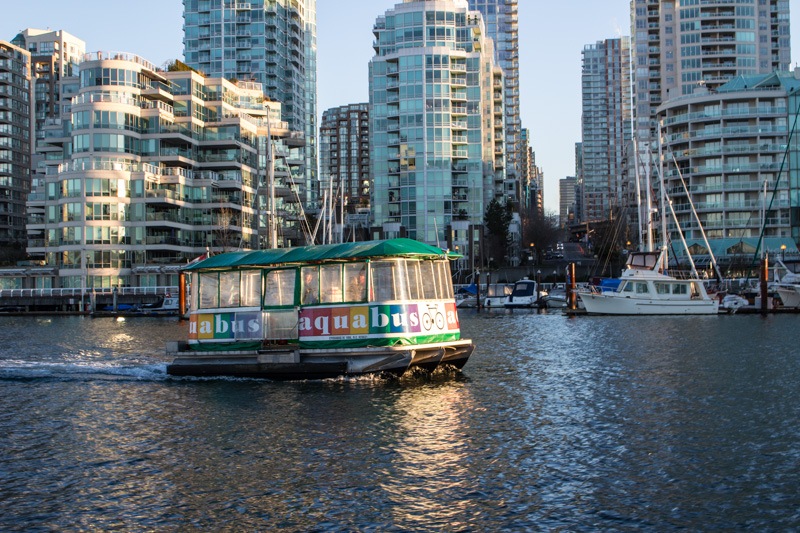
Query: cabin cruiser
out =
(646, 288)
(525, 294)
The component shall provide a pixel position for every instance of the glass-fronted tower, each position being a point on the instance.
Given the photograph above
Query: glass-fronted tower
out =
(502, 23)
(436, 126)
(344, 166)
(683, 45)
(605, 126)
(271, 42)
(16, 136)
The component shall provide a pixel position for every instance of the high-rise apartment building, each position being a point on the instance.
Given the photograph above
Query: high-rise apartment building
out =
(605, 126)
(271, 42)
(55, 54)
(16, 136)
(344, 166)
(686, 44)
(567, 196)
(147, 169)
(735, 151)
(436, 120)
(501, 20)
(532, 179)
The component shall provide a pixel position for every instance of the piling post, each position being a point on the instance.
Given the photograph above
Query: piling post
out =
(764, 276)
(182, 293)
(572, 288)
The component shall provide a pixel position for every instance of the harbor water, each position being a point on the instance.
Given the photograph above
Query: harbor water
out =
(556, 423)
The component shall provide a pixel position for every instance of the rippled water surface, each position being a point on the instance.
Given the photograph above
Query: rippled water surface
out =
(629, 423)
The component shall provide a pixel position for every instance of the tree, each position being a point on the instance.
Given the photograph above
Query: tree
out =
(227, 233)
(497, 219)
(541, 231)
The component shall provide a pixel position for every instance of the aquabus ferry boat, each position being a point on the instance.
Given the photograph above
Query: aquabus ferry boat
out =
(321, 311)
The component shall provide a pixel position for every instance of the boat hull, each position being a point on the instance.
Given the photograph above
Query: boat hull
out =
(288, 363)
(789, 295)
(614, 304)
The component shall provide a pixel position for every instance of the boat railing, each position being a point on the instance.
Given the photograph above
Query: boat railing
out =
(681, 274)
(86, 291)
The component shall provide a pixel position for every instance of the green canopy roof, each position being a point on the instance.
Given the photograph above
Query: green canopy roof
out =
(322, 253)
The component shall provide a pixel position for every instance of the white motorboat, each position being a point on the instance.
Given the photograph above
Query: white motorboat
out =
(787, 287)
(496, 294)
(524, 294)
(647, 289)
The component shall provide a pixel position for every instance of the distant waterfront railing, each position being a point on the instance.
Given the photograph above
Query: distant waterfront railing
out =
(78, 292)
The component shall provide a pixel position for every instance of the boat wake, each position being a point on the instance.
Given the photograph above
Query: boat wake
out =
(81, 371)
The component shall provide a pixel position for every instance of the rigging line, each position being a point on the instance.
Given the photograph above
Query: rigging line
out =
(697, 217)
(683, 240)
(777, 180)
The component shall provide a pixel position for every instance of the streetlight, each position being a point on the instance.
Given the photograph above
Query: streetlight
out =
(783, 252)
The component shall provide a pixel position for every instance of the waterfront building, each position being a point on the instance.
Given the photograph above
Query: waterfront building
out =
(436, 104)
(605, 127)
(344, 168)
(502, 24)
(271, 42)
(16, 136)
(731, 147)
(156, 167)
(682, 46)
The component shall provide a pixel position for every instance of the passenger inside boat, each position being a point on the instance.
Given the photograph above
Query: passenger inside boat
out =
(310, 286)
(358, 286)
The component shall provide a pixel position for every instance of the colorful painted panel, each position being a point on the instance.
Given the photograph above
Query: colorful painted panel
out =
(374, 321)
(226, 326)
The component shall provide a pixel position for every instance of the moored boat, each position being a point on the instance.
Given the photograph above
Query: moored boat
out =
(496, 294)
(645, 288)
(526, 293)
(322, 311)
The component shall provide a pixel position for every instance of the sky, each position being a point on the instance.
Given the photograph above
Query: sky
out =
(552, 35)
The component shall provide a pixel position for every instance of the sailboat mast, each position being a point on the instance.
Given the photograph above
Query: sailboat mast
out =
(272, 232)
(639, 217)
(663, 200)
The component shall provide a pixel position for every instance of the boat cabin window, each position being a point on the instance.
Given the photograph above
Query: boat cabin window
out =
(662, 288)
(209, 290)
(279, 287)
(251, 288)
(628, 287)
(383, 280)
(414, 280)
(641, 288)
(429, 278)
(695, 291)
(309, 287)
(229, 289)
(355, 282)
(445, 281)
(401, 279)
(330, 283)
(679, 288)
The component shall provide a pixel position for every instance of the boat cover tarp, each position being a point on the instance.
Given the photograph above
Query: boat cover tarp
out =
(319, 253)
(469, 289)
